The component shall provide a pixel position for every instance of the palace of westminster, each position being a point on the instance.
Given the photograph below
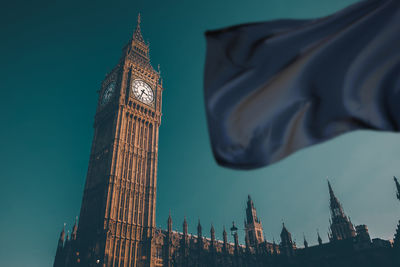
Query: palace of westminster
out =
(117, 218)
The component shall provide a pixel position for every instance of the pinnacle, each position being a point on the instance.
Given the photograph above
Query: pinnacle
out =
(330, 189)
(138, 33)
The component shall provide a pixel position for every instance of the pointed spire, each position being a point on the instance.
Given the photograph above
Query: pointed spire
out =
(75, 229)
(169, 222)
(319, 238)
(331, 193)
(251, 213)
(62, 237)
(212, 232)
(396, 239)
(224, 236)
(137, 35)
(284, 230)
(305, 241)
(274, 252)
(397, 186)
(63, 232)
(199, 231)
(185, 226)
(336, 207)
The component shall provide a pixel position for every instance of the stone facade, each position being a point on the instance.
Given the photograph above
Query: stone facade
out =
(117, 220)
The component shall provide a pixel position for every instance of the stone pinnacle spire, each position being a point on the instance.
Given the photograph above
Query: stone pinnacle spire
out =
(336, 207)
(331, 193)
(169, 222)
(199, 229)
(138, 33)
(305, 241)
(212, 232)
(319, 238)
(397, 186)
(185, 226)
(75, 229)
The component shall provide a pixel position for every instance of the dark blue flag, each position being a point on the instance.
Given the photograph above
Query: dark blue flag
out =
(275, 87)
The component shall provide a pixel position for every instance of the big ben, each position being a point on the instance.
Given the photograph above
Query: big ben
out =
(117, 217)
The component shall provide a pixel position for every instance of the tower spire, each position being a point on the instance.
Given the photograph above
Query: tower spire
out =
(62, 237)
(341, 226)
(287, 243)
(331, 193)
(319, 238)
(74, 229)
(137, 35)
(253, 226)
(305, 241)
(336, 207)
(225, 239)
(185, 226)
(60, 253)
(199, 231)
(397, 186)
(169, 222)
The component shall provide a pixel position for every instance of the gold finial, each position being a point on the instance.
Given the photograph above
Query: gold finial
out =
(138, 19)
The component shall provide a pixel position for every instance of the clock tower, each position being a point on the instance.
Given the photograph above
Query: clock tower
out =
(117, 218)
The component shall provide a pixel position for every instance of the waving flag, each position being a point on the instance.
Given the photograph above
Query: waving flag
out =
(275, 87)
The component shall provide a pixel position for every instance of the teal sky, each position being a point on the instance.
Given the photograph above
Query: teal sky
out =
(54, 55)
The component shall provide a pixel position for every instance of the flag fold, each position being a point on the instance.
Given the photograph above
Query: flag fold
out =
(275, 87)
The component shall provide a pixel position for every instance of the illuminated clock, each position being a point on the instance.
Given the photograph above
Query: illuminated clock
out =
(142, 91)
(108, 93)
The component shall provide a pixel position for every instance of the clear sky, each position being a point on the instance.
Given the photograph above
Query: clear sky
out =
(54, 55)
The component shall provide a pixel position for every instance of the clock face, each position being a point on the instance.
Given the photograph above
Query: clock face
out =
(108, 93)
(142, 91)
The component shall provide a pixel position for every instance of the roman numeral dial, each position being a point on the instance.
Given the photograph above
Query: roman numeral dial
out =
(142, 91)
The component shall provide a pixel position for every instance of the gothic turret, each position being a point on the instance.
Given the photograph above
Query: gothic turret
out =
(199, 229)
(225, 240)
(319, 239)
(287, 245)
(169, 223)
(74, 229)
(199, 235)
(274, 252)
(62, 238)
(138, 45)
(396, 239)
(397, 187)
(60, 254)
(185, 227)
(213, 242)
(341, 226)
(137, 35)
(305, 241)
(363, 236)
(185, 240)
(212, 233)
(253, 226)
